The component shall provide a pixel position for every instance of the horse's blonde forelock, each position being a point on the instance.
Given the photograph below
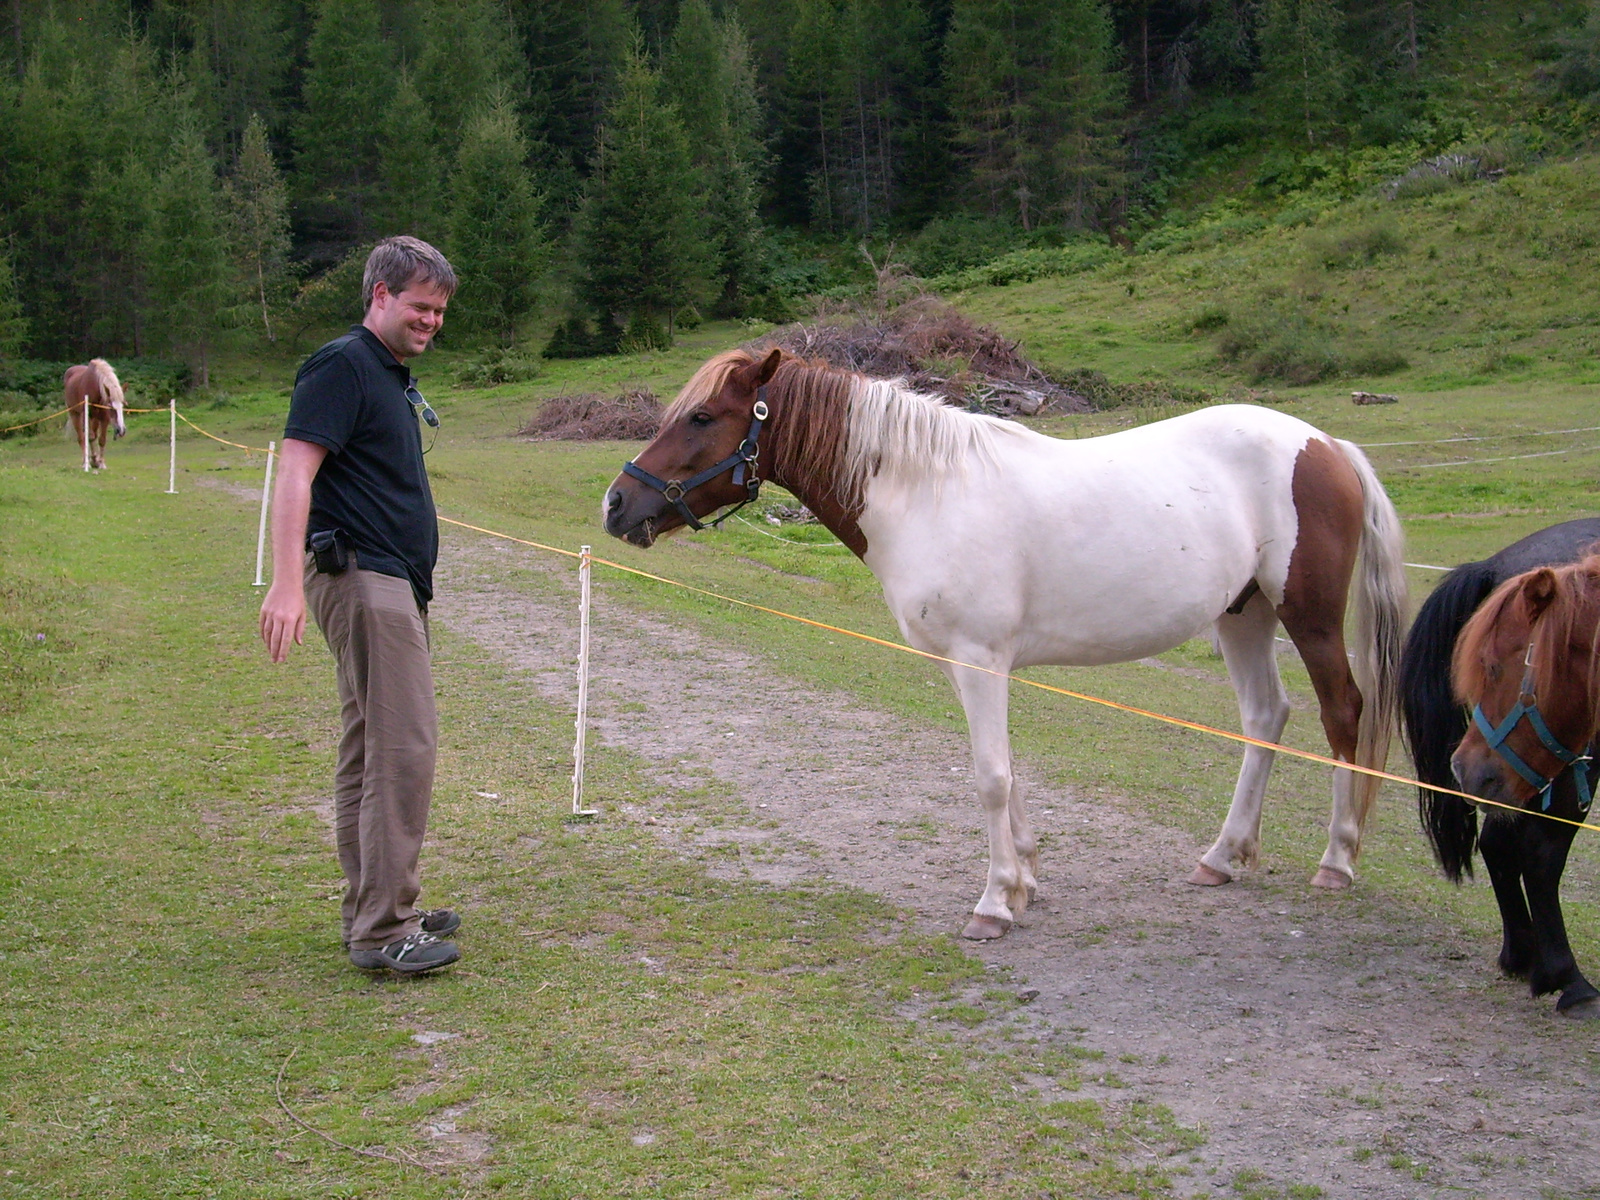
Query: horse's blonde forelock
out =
(110, 385)
(706, 383)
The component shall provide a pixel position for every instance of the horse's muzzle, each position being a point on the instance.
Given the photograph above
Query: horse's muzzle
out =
(1482, 775)
(622, 520)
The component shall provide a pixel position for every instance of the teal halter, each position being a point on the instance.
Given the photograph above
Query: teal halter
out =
(1528, 706)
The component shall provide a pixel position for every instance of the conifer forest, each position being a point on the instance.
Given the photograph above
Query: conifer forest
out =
(179, 173)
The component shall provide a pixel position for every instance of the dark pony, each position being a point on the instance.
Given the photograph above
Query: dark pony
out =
(1432, 721)
(1525, 666)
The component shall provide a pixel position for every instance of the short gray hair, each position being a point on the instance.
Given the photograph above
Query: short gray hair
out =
(402, 261)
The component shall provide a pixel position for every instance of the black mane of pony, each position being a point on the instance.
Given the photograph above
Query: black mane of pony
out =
(1432, 721)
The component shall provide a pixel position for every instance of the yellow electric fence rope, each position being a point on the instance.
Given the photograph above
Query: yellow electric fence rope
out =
(215, 438)
(40, 421)
(1308, 755)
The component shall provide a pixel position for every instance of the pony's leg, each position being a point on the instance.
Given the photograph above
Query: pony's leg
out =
(1246, 641)
(1317, 630)
(1501, 846)
(1022, 838)
(1544, 846)
(97, 443)
(985, 699)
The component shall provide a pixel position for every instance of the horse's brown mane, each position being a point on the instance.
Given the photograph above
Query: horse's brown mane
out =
(1574, 610)
(840, 426)
(810, 405)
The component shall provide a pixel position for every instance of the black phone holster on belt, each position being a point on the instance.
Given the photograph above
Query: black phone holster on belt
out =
(329, 551)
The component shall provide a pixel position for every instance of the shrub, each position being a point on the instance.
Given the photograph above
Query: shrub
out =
(496, 366)
(574, 339)
(1378, 361)
(1024, 266)
(958, 242)
(1289, 347)
(1101, 393)
(1212, 316)
(1357, 247)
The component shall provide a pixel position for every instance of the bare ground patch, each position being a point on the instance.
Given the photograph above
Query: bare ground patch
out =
(1316, 1039)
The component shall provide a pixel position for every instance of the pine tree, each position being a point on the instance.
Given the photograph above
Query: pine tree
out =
(1082, 98)
(468, 62)
(192, 281)
(258, 210)
(708, 76)
(640, 243)
(1302, 62)
(497, 244)
(573, 54)
(13, 321)
(411, 168)
(1035, 94)
(349, 73)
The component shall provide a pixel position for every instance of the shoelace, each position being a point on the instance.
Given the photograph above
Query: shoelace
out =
(415, 942)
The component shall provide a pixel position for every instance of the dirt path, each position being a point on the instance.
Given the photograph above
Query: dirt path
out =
(1310, 1038)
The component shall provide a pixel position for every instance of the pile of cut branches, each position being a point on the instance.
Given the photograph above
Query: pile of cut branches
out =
(592, 417)
(938, 350)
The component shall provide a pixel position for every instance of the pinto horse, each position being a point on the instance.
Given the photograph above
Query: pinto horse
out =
(999, 548)
(1526, 665)
(92, 395)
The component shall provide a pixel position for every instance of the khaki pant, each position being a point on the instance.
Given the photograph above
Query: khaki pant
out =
(383, 783)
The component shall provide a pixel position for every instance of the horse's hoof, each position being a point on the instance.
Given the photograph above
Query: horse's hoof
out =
(1583, 1010)
(1205, 876)
(1331, 878)
(985, 929)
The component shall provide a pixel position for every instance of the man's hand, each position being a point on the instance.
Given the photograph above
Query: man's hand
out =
(283, 612)
(283, 616)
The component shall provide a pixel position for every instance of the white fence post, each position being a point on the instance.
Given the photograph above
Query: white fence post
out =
(172, 448)
(261, 532)
(86, 433)
(585, 564)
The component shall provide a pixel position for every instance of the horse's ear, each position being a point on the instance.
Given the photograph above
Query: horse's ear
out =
(1538, 590)
(768, 366)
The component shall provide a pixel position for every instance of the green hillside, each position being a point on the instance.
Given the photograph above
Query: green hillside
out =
(1482, 283)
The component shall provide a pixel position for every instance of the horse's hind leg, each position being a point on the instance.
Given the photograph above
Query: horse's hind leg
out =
(1005, 896)
(1246, 640)
(1312, 613)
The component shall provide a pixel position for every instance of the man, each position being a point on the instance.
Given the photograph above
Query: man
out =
(354, 530)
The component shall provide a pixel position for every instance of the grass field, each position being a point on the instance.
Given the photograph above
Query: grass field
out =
(624, 1025)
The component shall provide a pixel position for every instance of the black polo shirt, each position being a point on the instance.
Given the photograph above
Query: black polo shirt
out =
(350, 396)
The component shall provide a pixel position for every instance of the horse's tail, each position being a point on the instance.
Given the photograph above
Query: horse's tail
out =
(1380, 610)
(1433, 722)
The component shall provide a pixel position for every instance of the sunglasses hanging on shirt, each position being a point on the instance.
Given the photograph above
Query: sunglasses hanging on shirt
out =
(424, 410)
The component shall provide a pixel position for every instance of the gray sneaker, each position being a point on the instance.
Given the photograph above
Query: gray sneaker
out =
(410, 955)
(441, 922)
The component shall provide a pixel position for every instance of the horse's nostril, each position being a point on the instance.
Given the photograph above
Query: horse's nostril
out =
(613, 501)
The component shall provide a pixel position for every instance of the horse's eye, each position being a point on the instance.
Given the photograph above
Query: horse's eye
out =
(700, 418)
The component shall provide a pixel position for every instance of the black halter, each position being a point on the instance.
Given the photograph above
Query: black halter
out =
(1527, 706)
(743, 461)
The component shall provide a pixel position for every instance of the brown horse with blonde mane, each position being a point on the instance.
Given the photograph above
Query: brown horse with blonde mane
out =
(92, 394)
(1526, 665)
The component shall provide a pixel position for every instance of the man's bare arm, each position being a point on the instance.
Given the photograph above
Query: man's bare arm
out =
(283, 612)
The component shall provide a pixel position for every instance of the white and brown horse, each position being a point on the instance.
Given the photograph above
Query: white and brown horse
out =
(92, 395)
(1001, 548)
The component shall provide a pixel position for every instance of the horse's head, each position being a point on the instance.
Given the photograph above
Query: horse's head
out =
(709, 426)
(1525, 665)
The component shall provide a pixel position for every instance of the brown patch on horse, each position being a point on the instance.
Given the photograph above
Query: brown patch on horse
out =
(1329, 504)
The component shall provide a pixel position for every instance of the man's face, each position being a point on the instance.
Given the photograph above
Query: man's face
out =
(407, 322)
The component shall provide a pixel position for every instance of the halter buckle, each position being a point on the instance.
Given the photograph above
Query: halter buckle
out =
(673, 491)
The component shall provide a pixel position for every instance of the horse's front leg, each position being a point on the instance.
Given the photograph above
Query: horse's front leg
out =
(1501, 846)
(1248, 649)
(1005, 896)
(1544, 857)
